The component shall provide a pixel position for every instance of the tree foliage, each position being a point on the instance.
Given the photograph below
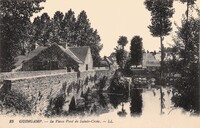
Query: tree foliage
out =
(41, 30)
(56, 28)
(187, 39)
(120, 53)
(189, 3)
(127, 66)
(136, 50)
(86, 36)
(187, 50)
(172, 65)
(14, 23)
(122, 41)
(63, 29)
(68, 25)
(118, 84)
(20, 36)
(121, 56)
(16, 102)
(161, 12)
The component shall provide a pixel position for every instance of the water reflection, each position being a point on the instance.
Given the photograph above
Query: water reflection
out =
(98, 103)
(123, 112)
(136, 102)
(116, 99)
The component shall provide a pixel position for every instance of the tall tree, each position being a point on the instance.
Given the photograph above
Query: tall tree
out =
(128, 64)
(122, 41)
(68, 26)
(136, 50)
(41, 30)
(161, 12)
(14, 21)
(189, 4)
(172, 64)
(188, 85)
(86, 36)
(96, 46)
(121, 56)
(82, 29)
(56, 28)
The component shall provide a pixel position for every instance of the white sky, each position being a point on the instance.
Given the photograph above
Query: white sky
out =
(114, 18)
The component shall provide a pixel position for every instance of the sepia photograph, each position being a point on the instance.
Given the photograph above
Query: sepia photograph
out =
(100, 64)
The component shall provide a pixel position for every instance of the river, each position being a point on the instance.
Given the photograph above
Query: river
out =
(137, 103)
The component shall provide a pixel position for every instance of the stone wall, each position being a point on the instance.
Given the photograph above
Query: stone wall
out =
(45, 87)
(22, 74)
(41, 86)
(101, 73)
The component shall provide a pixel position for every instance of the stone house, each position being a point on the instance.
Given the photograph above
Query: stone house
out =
(111, 60)
(150, 61)
(56, 57)
(107, 63)
(103, 65)
(84, 55)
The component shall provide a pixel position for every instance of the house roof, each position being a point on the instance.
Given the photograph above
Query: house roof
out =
(80, 52)
(150, 60)
(77, 53)
(109, 60)
(21, 58)
(148, 56)
(35, 52)
(71, 54)
(103, 63)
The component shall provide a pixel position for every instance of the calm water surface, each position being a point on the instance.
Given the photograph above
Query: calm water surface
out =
(136, 103)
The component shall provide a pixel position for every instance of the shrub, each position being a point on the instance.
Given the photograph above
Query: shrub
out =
(102, 83)
(56, 104)
(16, 101)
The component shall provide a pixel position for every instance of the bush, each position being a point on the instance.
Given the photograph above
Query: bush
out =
(16, 102)
(56, 104)
(102, 83)
(118, 84)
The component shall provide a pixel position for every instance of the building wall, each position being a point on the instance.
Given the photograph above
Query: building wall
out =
(88, 61)
(82, 67)
(101, 73)
(149, 61)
